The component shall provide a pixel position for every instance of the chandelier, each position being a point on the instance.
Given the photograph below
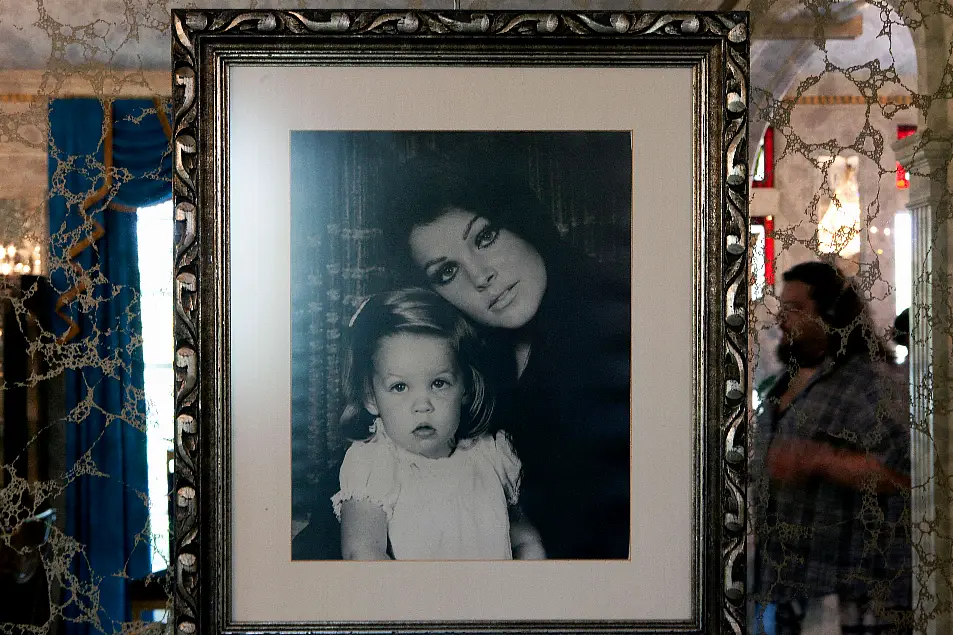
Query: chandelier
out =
(20, 261)
(839, 227)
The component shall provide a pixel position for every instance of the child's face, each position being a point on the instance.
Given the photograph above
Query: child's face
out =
(418, 392)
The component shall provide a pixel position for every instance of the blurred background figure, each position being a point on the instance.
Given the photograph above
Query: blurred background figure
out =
(831, 470)
(901, 329)
(901, 338)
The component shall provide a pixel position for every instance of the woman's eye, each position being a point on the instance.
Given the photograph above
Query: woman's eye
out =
(444, 274)
(486, 236)
(399, 387)
(440, 383)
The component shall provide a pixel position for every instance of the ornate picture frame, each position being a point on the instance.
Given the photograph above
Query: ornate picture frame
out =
(678, 84)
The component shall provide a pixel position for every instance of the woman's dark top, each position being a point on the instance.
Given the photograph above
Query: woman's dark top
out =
(569, 417)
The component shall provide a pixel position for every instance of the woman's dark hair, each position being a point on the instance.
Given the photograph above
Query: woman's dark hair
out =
(426, 186)
(422, 312)
(850, 327)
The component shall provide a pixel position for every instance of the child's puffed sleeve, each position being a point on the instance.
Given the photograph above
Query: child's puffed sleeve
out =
(368, 474)
(509, 467)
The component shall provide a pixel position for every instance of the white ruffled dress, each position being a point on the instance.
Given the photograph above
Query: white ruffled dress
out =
(454, 508)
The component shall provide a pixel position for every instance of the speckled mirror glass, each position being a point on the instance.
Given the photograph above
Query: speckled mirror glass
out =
(849, 389)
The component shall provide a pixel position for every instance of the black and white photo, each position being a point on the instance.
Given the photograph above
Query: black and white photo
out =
(526, 237)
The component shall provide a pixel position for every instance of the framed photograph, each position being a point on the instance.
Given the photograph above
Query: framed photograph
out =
(461, 303)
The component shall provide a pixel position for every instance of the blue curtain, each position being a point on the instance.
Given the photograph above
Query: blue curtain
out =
(105, 160)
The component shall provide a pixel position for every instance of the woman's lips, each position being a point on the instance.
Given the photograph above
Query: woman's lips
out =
(504, 299)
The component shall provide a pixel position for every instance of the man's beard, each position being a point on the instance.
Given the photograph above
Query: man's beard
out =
(800, 353)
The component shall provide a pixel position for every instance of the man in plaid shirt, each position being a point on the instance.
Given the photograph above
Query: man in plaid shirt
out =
(831, 469)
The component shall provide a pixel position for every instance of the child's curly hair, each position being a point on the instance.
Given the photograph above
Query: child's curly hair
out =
(418, 311)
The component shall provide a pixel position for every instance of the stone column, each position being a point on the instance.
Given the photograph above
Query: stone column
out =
(930, 379)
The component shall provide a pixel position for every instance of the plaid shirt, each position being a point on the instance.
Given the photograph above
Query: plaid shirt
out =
(817, 537)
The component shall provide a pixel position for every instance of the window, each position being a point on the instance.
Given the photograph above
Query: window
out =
(155, 270)
(763, 175)
(762, 255)
(903, 180)
(903, 272)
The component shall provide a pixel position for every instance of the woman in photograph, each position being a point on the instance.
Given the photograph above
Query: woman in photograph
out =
(476, 233)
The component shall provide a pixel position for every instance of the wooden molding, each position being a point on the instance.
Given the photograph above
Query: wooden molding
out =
(847, 100)
(19, 98)
(805, 29)
(38, 85)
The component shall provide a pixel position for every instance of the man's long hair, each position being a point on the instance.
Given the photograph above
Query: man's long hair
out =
(850, 327)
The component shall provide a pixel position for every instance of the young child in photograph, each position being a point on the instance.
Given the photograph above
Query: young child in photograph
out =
(425, 481)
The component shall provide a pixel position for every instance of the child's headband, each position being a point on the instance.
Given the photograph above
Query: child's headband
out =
(360, 308)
